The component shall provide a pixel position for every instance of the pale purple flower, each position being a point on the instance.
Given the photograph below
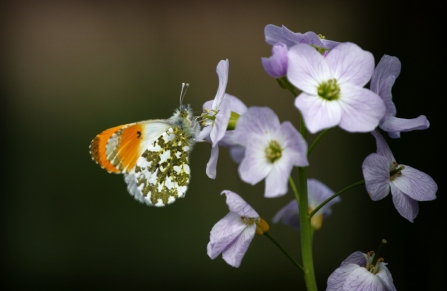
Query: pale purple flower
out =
(386, 72)
(408, 185)
(219, 108)
(232, 235)
(356, 273)
(271, 149)
(332, 88)
(275, 34)
(276, 65)
(232, 104)
(236, 150)
(317, 193)
(282, 39)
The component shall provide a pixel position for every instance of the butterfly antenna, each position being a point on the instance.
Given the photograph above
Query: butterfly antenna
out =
(183, 92)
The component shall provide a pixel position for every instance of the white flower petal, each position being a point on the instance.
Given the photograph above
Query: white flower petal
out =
(317, 194)
(224, 233)
(258, 121)
(337, 279)
(212, 163)
(307, 68)
(221, 122)
(288, 215)
(234, 254)
(358, 258)
(376, 171)
(405, 205)
(292, 143)
(277, 180)
(395, 124)
(382, 147)
(238, 205)
(254, 166)
(222, 73)
(362, 279)
(318, 113)
(416, 184)
(205, 133)
(349, 64)
(361, 108)
(386, 278)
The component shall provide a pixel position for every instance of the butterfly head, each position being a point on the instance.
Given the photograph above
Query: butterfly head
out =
(184, 118)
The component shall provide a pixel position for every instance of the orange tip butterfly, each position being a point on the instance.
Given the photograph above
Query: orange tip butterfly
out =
(153, 155)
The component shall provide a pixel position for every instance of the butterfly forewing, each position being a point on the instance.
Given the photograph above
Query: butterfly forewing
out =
(98, 149)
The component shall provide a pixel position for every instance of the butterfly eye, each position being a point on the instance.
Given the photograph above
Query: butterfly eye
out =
(138, 134)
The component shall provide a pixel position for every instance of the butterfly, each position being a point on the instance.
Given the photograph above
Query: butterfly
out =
(153, 155)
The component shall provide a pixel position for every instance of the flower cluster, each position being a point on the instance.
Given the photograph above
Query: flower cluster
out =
(328, 81)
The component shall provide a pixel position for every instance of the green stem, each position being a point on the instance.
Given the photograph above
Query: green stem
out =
(285, 252)
(295, 191)
(305, 227)
(335, 195)
(316, 141)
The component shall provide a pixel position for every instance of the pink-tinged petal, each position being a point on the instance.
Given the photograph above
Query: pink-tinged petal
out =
(276, 65)
(293, 144)
(376, 171)
(416, 184)
(307, 68)
(382, 147)
(397, 125)
(238, 205)
(254, 167)
(361, 108)
(224, 233)
(358, 258)
(257, 120)
(288, 215)
(277, 180)
(234, 254)
(212, 163)
(386, 72)
(386, 278)
(318, 113)
(350, 64)
(405, 205)
(222, 73)
(221, 122)
(338, 278)
(362, 280)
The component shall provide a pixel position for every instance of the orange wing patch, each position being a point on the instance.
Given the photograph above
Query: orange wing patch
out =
(129, 149)
(98, 149)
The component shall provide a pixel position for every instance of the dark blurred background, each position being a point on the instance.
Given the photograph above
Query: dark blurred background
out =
(70, 69)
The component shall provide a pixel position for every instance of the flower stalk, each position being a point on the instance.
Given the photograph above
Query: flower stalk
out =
(285, 252)
(335, 195)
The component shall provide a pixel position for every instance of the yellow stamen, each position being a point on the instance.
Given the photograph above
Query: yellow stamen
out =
(261, 226)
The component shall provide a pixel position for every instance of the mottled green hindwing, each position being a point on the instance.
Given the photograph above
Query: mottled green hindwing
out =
(162, 172)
